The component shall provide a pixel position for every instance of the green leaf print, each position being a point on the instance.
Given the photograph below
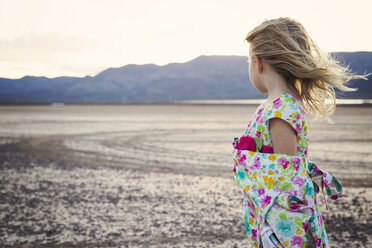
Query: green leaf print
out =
(294, 114)
(294, 198)
(298, 221)
(260, 128)
(260, 185)
(266, 136)
(337, 185)
(283, 185)
(258, 143)
(283, 216)
(329, 191)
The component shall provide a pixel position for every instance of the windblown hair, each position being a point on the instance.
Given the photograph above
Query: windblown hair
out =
(286, 46)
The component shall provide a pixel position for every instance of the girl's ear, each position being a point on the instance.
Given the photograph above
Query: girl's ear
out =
(258, 62)
(260, 65)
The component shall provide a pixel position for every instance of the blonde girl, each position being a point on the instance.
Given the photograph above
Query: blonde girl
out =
(280, 207)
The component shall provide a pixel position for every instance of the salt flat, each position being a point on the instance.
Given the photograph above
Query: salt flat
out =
(157, 175)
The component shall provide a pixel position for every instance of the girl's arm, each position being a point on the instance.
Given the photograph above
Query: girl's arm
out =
(283, 136)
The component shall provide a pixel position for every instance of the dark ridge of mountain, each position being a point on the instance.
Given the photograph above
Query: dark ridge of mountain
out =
(214, 77)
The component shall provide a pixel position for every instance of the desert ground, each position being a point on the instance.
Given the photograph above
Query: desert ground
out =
(157, 175)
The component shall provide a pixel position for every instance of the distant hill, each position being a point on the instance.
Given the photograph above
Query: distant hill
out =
(203, 78)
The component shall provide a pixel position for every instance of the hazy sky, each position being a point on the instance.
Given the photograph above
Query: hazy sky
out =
(83, 37)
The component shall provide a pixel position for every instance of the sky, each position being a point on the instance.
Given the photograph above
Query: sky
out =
(84, 37)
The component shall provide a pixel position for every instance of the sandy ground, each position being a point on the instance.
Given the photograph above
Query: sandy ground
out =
(156, 176)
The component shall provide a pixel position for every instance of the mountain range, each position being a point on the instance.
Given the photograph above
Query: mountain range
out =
(214, 77)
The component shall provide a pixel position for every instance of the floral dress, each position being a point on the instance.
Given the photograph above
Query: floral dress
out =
(278, 189)
(286, 107)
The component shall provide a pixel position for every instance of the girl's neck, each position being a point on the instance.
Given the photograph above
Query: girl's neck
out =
(275, 84)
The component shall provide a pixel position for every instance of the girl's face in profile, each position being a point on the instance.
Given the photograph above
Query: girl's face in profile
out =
(250, 63)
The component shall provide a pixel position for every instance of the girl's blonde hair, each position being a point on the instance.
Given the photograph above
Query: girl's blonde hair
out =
(287, 47)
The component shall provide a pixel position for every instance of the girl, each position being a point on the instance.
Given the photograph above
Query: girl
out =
(280, 207)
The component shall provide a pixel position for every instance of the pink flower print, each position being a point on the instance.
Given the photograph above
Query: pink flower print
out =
(254, 234)
(316, 170)
(261, 191)
(305, 224)
(277, 189)
(297, 240)
(334, 197)
(266, 149)
(234, 167)
(259, 120)
(238, 153)
(256, 164)
(299, 181)
(242, 159)
(249, 203)
(247, 143)
(296, 162)
(292, 192)
(258, 134)
(327, 178)
(253, 217)
(249, 123)
(295, 204)
(277, 103)
(317, 241)
(259, 111)
(265, 201)
(284, 162)
(298, 128)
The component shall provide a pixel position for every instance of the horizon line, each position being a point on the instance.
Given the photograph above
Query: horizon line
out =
(202, 55)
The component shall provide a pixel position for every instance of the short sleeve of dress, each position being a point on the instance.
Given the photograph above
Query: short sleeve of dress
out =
(287, 108)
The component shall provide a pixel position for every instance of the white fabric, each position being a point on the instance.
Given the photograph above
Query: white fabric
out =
(267, 241)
